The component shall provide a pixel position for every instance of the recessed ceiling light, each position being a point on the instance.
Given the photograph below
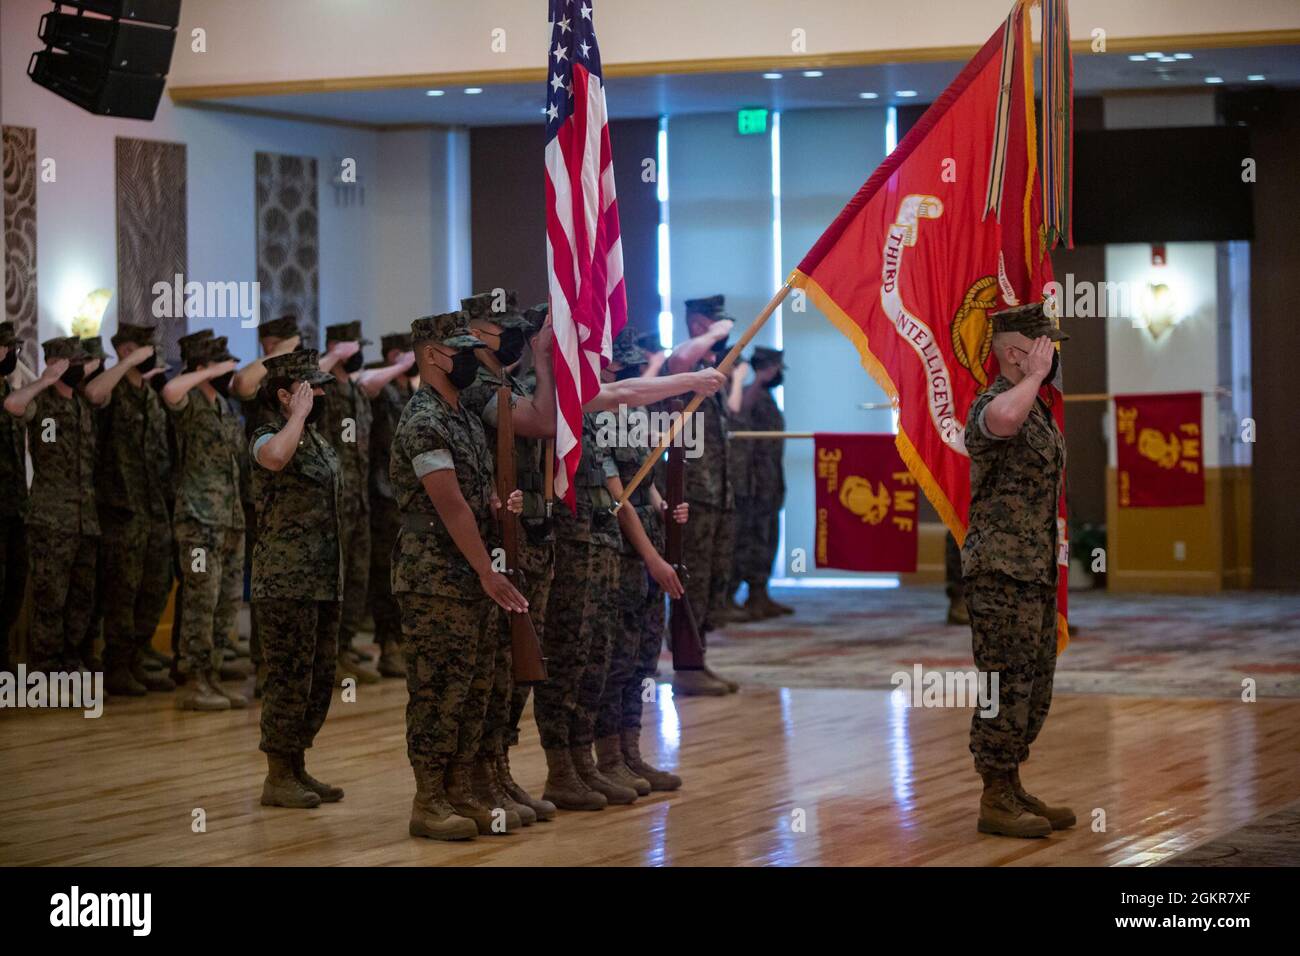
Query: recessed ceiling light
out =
(1167, 59)
(1154, 56)
(772, 76)
(471, 90)
(1255, 77)
(1182, 56)
(812, 74)
(868, 96)
(1214, 79)
(905, 94)
(433, 92)
(1137, 58)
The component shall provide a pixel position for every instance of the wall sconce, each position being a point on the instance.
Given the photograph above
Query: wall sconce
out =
(89, 316)
(1160, 309)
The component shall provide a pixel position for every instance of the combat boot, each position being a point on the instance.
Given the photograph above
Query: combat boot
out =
(697, 684)
(587, 772)
(120, 682)
(152, 680)
(199, 694)
(544, 810)
(483, 780)
(610, 762)
(432, 816)
(565, 788)
(326, 793)
(957, 613)
(237, 700)
(658, 779)
(391, 662)
(1061, 818)
(1001, 813)
(731, 685)
(283, 789)
(776, 606)
(466, 803)
(351, 665)
(155, 660)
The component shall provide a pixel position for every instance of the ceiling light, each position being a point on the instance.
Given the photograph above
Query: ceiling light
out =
(1167, 59)
(1137, 58)
(1182, 56)
(868, 96)
(904, 94)
(812, 74)
(1255, 77)
(772, 76)
(433, 92)
(471, 90)
(1214, 79)
(1154, 56)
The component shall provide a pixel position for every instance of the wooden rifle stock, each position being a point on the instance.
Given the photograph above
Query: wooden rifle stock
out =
(683, 629)
(528, 664)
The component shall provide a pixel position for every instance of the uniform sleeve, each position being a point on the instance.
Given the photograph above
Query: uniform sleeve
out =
(491, 409)
(260, 438)
(180, 406)
(978, 438)
(425, 446)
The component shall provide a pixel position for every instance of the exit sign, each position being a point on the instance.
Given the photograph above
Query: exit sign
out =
(750, 122)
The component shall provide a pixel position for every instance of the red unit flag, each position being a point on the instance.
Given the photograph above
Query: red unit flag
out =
(1159, 454)
(866, 504)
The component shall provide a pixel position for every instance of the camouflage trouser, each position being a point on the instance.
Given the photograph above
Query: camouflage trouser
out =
(385, 522)
(63, 595)
(356, 572)
(708, 541)
(758, 532)
(623, 681)
(250, 542)
(450, 647)
(212, 569)
(600, 624)
(566, 641)
(13, 579)
(298, 649)
(1013, 633)
(506, 701)
(135, 575)
(650, 645)
(953, 586)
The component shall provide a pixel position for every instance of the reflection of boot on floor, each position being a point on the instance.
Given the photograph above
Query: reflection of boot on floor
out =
(1002, 814)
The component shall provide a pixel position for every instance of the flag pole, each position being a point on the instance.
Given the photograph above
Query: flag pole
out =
(724, 367)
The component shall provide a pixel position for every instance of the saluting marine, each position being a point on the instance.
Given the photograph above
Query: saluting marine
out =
(13, 499)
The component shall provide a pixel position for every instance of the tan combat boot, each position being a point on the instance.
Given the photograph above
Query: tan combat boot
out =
(487, 787)
(282, 788)
(152, 680)
(237, 700)
(432, 817)
(565, 788)
(543, 810)
(326, 793)
(697, 683)
(658, 779)
(1061, 818)
(198, 694)
(121, 682)
(1001, 813)
(391, 662)
(731, 685)
(466, 802)
(957, 613)
(586, 768)
(610, 762)
(351, 665)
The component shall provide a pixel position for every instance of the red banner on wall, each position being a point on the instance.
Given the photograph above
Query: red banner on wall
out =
(1160, 456)
(866, 504)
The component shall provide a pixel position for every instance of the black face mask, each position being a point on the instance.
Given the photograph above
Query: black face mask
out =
(354, 363)
(148, 364)
(512, 346)
(720, 350)
(73, 376)
(1056, 364)
(464, 369)
(317, 409)
(10, 361)
(159, 382)
(629, 371)
(222, 384)
(776, 380)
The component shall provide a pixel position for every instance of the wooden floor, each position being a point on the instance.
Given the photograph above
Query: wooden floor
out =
(877, 783)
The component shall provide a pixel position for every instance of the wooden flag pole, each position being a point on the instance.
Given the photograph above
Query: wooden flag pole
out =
(725, 368)
(548, 481)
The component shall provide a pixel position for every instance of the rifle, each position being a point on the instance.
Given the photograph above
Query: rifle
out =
(528, 664)
(683, 630)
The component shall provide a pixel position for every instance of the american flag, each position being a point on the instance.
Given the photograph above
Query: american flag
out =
(584, 254)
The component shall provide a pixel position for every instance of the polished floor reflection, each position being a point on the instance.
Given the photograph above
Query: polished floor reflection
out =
(809, 777)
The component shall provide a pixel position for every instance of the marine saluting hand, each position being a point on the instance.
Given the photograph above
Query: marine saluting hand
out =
(301, 402)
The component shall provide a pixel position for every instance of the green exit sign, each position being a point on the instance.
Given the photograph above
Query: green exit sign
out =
(751, 122)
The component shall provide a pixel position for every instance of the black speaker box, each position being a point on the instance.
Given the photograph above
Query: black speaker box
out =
(92, 86)
(130, 47)
(164, 12)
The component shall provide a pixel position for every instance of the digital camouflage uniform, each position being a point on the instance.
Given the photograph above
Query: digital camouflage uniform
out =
(208, 519)
(709, 538)
(449, 645)
(760, 495)
(13, 508)
(579, 624)
(1009, 566)
(62, 520)
(297, 585)
(133, 488)
(346, 425)
(385, 520)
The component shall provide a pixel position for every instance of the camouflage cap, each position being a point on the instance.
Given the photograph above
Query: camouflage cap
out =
(214, 350)
(448, 329)
(285, 327)
(190, 344)
(764, 357)
(535, 318)
(65, 347)
(134, 334)
(626, 351)
(8, 335)
(93, 345)
(302, 365)
(395, 340)
(650, 342)
(482, 306)
(345, 332)
(710, 306)
(1029, 320)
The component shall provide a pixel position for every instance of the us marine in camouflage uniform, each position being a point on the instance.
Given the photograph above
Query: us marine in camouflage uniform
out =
(208, 521)
(13, 499)
(505, 331)
(133, 486)
(442, 473)
(62, 517)
(1017, 457)
(297, 586)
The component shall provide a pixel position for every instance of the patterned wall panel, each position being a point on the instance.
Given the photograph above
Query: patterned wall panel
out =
(19, 149)
(151, 231)
(288, 241)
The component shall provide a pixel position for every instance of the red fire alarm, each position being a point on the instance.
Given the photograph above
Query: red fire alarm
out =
(1157, 253)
